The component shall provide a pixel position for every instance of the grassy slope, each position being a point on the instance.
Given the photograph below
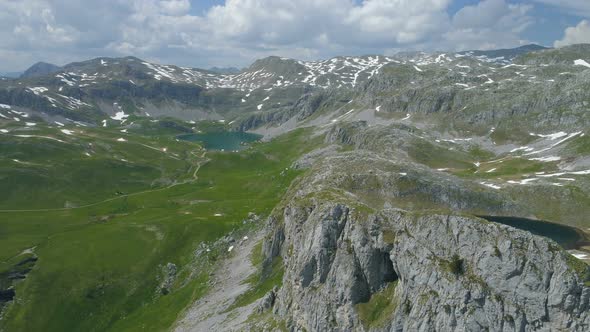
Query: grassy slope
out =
(61, 172)
(97, 275)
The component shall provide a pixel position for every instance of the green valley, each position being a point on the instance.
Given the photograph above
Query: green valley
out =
(101, 263)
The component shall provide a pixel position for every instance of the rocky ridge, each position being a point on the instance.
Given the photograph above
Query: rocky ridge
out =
(445, 272)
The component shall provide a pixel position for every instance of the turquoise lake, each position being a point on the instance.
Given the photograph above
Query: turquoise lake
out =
(222, 140)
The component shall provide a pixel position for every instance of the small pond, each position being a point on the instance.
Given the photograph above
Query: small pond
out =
(567, 237)
(222, 140)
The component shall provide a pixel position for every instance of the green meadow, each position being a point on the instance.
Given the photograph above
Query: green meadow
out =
(104, 216)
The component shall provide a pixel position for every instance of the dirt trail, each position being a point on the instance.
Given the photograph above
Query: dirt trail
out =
(209, 312)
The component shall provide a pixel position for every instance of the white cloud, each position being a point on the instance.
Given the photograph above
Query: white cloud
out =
(303, 29)
(33, 24)
(575, 35)
(239, 31)
(489, 24)
(175, 7)
(399, 22)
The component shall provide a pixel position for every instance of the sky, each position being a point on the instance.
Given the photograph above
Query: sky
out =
(234, 33)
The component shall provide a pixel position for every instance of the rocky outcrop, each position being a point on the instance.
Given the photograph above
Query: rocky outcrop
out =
(442, 272)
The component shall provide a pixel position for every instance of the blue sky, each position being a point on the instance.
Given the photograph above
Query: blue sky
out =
(205, 33)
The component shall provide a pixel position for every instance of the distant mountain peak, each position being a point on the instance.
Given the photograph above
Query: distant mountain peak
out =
(224, 70)
(40, 69)
(505, 54)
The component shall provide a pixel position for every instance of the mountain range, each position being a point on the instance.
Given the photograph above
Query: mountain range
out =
(415, 191)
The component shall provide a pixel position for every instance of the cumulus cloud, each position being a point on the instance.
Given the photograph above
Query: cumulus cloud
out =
(304, 29)
(239, 31)
(575, 35)
(174, 7)
(489, 24)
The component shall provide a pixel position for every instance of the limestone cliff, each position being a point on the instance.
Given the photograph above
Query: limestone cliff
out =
(419, 272)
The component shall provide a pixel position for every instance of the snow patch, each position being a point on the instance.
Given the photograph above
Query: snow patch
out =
(547, 159)
(523, 182)
(491, 185)
(120, 116)
(580, 256)
(581, 62)
(522, 148)
(551, 136)
(38, 90)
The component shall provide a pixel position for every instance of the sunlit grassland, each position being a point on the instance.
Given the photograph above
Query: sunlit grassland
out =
(100, 266)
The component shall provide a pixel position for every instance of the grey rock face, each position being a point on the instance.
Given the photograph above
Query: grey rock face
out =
(267, 301)
(169, 272)
(451, 273)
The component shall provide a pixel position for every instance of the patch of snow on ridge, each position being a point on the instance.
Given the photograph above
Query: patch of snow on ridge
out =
(580, 256)
(522, 148)
(525, 181)
(67, 132)
(38, 90)
(551, 136)
(572, 135)
(418, 69)
(581, 62)
(120, 116)
(4, 106)
(585, 172)
(491, 185)
(547, 159)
